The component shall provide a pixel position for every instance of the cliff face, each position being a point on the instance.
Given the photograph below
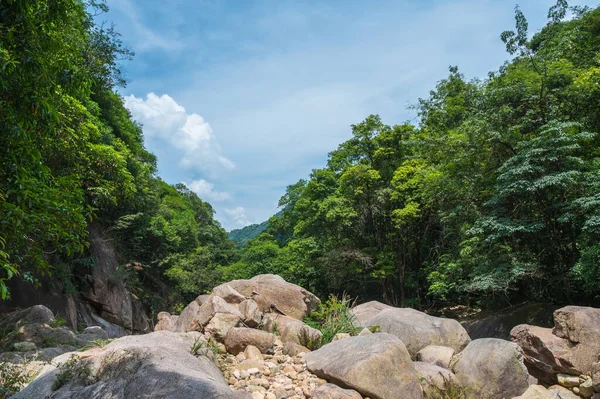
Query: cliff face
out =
(104, 301)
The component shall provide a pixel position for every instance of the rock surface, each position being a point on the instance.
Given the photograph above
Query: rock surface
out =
(417, 329)
(237, 339)
(157, 365)
(491, 368)
(331, 391)
(271, 291)
(438, 355)
(377, 366)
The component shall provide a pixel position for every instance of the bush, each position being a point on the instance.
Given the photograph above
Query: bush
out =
(331, 318)
(13, 378)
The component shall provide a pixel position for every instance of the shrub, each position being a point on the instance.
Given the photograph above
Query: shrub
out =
(13, 378)
(332, 317)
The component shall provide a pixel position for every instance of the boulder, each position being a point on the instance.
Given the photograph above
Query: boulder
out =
(434, 354)
(331, 391)
(596, 376)
(238, 338)
(366, 311)
(377, 366)
(418, 330)
(491, 368)
(44, 336)
(252, 316)
(273, 292)
(536, 392)
(293, 349)
(220, 324)
(559, 392)
(253, 353)
(166, 322)
(38, 314)
(196, 316)
(578, 324)
(435, 379)
(230, 295)
(292, 330)
(155, 365)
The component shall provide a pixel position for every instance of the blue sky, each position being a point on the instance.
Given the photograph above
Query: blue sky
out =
(241, 98)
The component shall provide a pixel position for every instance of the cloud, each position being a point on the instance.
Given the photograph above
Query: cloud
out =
(189, 134)
(205, 191)
(238, 216)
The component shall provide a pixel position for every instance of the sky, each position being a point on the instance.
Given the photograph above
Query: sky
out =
(241, 98)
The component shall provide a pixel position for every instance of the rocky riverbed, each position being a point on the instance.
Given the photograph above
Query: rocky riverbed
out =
(247, 339)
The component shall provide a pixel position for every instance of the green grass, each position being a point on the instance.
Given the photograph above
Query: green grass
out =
(332, 317)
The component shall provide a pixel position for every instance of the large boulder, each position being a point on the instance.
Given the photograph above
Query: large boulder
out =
(438, 355)
(250, 312)
(35, 314)
(571, 347)
(238, 338)
(273, 292)
(536, 392)
(366, 311)
(435, 379)
(155, 365)
(332, 391)
(200, 312)
(377, 366)
(292, 330)
(491, 368)
(417, 329)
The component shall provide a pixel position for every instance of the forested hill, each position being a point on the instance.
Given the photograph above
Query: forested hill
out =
(71, 156)
(243, 235)
(493, 197)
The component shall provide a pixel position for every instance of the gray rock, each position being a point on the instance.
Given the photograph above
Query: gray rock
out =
(238, 338)
(366, 311)
(24, 347)
(293, 349)
(491, 368)
(220, 324)
(536, 392)
(331, 391)
(166, 322)
(251, 314)
(435, 379)
(155, 365)
(377, 366)
(418, 330)
(292, 330)
(229, 294)
(38, 314)
(195, 316)
(438, 355)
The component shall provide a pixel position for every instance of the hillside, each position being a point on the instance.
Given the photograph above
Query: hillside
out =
(243, 235)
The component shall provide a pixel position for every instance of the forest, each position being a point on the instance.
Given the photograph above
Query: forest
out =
(492, 198)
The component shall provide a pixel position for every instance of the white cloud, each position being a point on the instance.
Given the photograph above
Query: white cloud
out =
(238, 216)
(205, 191)
(189, 134)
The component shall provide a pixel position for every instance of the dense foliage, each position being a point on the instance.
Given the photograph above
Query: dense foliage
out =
(246, 233)
(492, 197)
(71, 155)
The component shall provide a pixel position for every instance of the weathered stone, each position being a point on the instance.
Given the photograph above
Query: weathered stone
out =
(536, 392)
(434, 379)
(38, 314)
(293, 349)
(229, 294)
(272, 292)
(166, 322)
(331, 391)
(365, 331)
(586, 389)
(253, 353)
(546, 354)
(195, 316)
(596, 376)
(24, 347)
(251, 315)
(220, 324)
(491, 368)
(578, 324)
(291, 330)
(366, 311)
(559, 392)
(568, 381)
(377, 366)
(339, 336)
(418, 330)
(238, 338)
(434, 354)
(155, 365)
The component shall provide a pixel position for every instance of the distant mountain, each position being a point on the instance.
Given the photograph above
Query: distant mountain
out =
(241, 236)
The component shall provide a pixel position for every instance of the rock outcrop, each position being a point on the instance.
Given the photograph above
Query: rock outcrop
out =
(572, 347)
(377, 366)
(157, 365)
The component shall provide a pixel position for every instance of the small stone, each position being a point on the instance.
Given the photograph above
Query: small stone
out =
(339, 336)
(567, 380)
(240, 357)
(270, 395)
(253, 370)
(232, 380)
(244, 374)
(586, 389)
(575, 390)
(236, 374)
(258, 395)
(253, 353)
(266, 371)
(255, 388)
